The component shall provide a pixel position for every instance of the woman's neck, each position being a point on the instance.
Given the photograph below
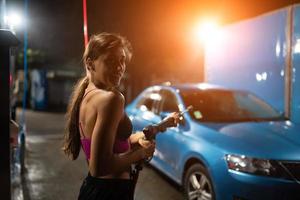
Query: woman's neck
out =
(98, 85)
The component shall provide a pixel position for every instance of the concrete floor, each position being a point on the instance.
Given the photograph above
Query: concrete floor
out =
(50, 175)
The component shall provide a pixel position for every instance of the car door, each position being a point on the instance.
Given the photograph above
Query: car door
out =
(168, 142)
(146, 110)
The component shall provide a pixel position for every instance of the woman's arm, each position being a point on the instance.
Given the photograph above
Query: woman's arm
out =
(103, 161)
(134, 138)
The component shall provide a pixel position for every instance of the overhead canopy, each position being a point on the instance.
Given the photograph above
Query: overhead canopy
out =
(7, 38)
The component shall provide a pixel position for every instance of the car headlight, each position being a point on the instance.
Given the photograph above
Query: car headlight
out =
(256, 166)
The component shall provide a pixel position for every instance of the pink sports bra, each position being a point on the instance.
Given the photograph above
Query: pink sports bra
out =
(121, 144)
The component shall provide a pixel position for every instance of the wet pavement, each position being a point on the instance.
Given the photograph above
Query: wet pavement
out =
(50, 175)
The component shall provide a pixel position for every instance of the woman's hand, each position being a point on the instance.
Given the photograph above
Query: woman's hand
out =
(170, 121)
(147, 148)
(134, 138)
(175, 115)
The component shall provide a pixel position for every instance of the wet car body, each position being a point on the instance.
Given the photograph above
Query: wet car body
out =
(221, 150)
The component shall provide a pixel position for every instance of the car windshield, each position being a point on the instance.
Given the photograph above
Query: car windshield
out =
(216, 105)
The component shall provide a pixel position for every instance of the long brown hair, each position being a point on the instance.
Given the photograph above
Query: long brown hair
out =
(72, 135)
(99, 44)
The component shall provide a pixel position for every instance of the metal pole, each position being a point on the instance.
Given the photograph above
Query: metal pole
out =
(3, 14)
(288, 64)
(7, 39)
(22, 136)
(4, 126)
(85, 25)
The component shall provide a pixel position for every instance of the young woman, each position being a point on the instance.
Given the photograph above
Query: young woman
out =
(98, 124)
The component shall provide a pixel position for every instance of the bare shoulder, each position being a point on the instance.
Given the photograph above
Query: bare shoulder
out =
(108, 99)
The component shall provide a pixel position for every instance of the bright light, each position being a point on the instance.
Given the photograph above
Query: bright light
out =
(203, 86)
(13, 20)
(155, 96)
(297, 46)
(261, 77)
(207, 32)
(278, 48)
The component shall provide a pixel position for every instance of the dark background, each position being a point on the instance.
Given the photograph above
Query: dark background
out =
(159, 30)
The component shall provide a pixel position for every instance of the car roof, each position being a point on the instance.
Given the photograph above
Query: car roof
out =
(194, 86)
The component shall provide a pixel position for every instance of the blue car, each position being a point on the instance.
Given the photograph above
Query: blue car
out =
(231, 146)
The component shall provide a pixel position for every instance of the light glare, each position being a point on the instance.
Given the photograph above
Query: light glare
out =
(13, 21)
(297, 46)
(207, 32)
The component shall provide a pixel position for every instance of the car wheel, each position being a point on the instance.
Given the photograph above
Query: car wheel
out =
(198, 184)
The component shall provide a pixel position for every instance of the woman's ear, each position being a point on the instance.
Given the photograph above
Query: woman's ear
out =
(90, 65)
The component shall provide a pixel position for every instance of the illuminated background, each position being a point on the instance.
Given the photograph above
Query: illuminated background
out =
(161, 32)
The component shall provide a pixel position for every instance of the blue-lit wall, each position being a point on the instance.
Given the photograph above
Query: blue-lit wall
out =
(295, 113)
(252, 54)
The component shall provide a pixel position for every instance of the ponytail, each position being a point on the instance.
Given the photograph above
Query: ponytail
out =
(71, 146)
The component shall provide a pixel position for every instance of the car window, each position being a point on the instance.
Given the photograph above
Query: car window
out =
(169, 102)
(227, 106)
(149, 102)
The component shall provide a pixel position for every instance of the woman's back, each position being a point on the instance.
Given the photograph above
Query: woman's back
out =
(88, 112)
(92, 110)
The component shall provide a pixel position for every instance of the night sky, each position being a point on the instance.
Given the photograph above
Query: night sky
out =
(157, 29)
